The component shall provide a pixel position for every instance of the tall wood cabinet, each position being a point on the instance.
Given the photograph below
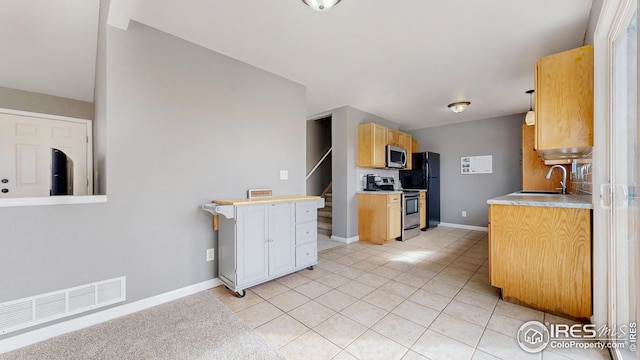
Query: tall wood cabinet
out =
(379, 217)
(261, 240)
(564, 103)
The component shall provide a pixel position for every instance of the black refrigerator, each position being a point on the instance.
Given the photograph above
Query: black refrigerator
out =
(425, 175)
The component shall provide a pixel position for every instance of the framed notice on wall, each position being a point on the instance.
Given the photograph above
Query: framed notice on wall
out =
(470, 165)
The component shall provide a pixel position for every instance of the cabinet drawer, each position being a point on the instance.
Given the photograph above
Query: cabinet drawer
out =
(305, 211)
(392, 199)
(306, 232)
(306, 255)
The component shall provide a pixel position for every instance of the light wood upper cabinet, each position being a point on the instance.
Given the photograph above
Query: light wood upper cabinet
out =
(414, 146)
(541, 257)
(405, 142)
(564, 103)
(379, 217)
(393, 137)
(372, 141)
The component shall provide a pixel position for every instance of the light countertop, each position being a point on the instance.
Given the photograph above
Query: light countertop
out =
(545, 200)
(381, 192)
(246, 201)
(391, 192)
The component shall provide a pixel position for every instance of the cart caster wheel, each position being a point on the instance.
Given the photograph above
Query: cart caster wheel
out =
(241, 293)
(311, 267)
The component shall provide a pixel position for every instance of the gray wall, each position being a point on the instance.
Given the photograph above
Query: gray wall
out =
(45, 104)
(596, 8)
(500, 137)
(344, 134)
(185, 125)
(100, 106)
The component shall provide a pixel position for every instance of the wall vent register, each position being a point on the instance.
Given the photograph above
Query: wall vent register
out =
(23, 313)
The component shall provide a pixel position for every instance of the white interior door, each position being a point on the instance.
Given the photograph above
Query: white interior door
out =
(624, 170)
(617, 216)
(25, 154)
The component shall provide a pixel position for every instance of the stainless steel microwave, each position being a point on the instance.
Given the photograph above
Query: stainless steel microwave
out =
(396, 157)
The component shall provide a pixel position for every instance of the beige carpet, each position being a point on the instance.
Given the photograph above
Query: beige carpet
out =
(194, 327)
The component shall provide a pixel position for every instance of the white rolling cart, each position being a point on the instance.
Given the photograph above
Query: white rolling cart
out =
(266, 238)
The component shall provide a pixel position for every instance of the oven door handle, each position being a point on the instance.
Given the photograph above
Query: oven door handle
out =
(412, 227)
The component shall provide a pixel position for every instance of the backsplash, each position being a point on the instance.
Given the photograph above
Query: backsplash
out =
(581, 177)
(380, 172)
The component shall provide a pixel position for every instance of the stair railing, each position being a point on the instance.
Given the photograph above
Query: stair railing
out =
(318, 164)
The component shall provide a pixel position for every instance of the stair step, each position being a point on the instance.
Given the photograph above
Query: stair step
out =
(322, 225)
(326, 232)
(327, 203)
(325, 213)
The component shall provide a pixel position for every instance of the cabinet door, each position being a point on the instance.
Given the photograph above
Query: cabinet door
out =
(564, 100)
(489, 244)
(394, 217)
(372, 141)
(282, 254)
(404, 141)
(252, 236)
(423, 210)
(392, 137)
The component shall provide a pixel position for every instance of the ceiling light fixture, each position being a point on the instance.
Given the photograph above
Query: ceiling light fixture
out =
(458, 107)
(321, 5)
(530, 118)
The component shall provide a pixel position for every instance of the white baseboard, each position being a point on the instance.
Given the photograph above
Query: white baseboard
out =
(345, 240)
(48, 332)
(466, 227)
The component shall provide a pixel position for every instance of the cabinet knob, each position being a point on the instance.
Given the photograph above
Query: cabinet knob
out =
(4, 181)
(4, 191)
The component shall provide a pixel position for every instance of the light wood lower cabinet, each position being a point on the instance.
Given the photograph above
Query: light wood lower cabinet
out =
(423, 209)
(541, 257)
(379, 217)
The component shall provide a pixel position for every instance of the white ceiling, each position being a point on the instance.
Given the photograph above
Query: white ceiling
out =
(402, 60)
(49, 46)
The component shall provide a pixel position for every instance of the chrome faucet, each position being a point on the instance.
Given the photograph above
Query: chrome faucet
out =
(564, 176)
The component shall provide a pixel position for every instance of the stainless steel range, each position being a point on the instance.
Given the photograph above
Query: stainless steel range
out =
(410, 215)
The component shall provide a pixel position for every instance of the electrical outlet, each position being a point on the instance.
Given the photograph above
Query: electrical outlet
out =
(284, 174)
(211, 255)
(464, 213)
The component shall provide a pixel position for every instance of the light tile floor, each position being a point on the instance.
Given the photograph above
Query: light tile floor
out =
(425, 298)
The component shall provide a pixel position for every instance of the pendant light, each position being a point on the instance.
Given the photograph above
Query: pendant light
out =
(321, 5)
(530, 118)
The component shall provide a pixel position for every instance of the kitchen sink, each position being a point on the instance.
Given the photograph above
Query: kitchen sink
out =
(537, 192)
